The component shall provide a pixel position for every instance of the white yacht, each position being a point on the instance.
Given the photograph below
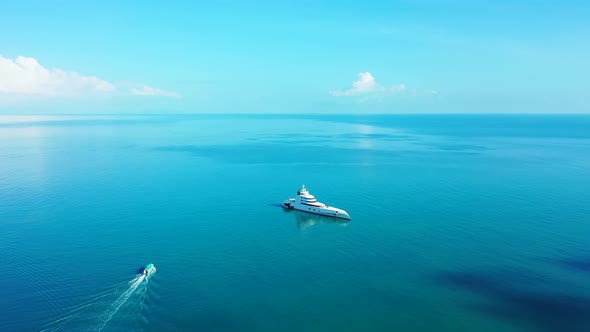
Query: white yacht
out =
(307, 202)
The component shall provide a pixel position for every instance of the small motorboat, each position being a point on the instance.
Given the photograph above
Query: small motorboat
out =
(149, 269)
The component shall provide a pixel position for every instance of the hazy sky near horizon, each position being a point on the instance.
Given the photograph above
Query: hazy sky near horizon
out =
(422, 56)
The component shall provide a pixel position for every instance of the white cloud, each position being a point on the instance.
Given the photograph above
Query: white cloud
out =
(26, 76)
(366, 85)
(149, 91)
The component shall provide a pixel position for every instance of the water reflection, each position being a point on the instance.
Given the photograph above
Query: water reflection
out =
(305, 220)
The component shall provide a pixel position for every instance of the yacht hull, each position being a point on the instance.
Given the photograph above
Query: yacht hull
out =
(331, 215)
(326, 211)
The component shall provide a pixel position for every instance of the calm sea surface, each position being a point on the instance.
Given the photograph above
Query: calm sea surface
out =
(459, 223)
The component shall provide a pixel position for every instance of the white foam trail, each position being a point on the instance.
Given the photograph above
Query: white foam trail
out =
(59, 323)
(112, 310)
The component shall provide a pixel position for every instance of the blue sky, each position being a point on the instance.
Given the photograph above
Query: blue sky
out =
(419, 56)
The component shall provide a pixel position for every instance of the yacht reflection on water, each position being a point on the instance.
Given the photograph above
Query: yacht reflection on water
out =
(305, 220)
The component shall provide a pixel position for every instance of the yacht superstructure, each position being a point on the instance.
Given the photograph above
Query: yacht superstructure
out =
(307, 202)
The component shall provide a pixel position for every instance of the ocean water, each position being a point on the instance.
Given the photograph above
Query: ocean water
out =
(459, 223)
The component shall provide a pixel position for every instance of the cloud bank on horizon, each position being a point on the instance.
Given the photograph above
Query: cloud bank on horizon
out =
(26, 76)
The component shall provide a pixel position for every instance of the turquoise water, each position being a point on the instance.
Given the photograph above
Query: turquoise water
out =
(459, 223)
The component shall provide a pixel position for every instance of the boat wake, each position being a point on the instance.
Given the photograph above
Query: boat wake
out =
(83, 315)
(112, 310)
